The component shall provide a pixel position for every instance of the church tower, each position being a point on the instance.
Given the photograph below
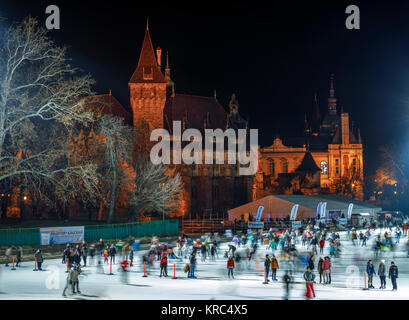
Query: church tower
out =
(147, 87)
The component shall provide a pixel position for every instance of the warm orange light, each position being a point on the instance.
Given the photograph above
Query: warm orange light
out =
(25, 198)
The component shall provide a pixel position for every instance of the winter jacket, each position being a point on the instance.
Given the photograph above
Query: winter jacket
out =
(381, 269)
(85, 251)
(192, 259)
(370, 269)
(274, 263)
(326, 265)
(230, 263)
(322, 243)
(311, 263)
(8, 252)
(309, 276)
(39, 256)
(319, 268)
(112, 251)
(163, 260)
(74, 275)
(267, 263)
(393, 271)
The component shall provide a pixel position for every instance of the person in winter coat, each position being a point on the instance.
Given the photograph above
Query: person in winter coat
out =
(319, 268)
(84, 254)
(74, 273)
(40, 259)
(230, 267)
(370, 270)
(106, 255)
(19, 256)
(131, 254)
(192, 260)
(287, 280)
(66, 254)
(326, 269)
(382, 274)
(76, 258)
(393, 275)
(164, 265)
(322, 244)
(267, 264)
(309, 281)
(112, 253)
(311, 262)
(9, 252)
(274, 267)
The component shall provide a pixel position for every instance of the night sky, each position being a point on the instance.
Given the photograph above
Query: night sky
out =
(274, 57)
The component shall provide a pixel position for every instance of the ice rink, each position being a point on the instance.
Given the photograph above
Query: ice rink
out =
(212, 282)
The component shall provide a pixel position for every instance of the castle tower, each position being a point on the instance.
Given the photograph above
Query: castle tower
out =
(332, 101)
(147, 87)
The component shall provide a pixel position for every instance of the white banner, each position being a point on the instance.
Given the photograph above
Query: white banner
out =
(294, 212)
(259, 212)
(62, 235)
(296, 224)
(318, 210)
(351, 205)
(323, 210)
(256, 225)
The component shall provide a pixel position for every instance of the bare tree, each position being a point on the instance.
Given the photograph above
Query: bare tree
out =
(40, 106)
(117, 144)
(154, 191)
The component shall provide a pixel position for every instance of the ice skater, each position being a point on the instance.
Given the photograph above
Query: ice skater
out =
(230, 267)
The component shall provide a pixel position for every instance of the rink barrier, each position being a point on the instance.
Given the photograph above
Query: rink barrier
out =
(365, 285)
(144, 269)
(32, 237)
(35, 264)
(13, 265)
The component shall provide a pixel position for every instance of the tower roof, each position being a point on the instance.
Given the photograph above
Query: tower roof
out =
(308, 164)
(147, 70)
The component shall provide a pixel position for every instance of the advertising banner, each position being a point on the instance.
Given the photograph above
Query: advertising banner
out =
(323, 210)
(256, 225)
(294, 212)
(62, 235)
(296, 224)
(351, 205)
(259, 212)
(318, 210)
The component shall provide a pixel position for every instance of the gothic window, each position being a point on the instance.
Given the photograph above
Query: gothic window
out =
(336, 166)
(336, 170)
(271, 166)
(353, 166)
(284, 165)
(147, 73)
(324, 167)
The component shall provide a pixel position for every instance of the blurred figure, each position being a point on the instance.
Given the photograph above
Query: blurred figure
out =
(40, 259)
(192, 260)
(8, 254)
(124, 273)
(230, 267)
(382, 274)
(309, 281)
(322, 244)
(19, 256)
(112, 253)
(370, 270)
(74, 273)
(267, 264)
(131, 254)
(106, 255)
(326, 267)
(319, 268)
(92, 253)
(393, 275)
(287, 279)
(66, 253)
(164, 266)
(84, 254)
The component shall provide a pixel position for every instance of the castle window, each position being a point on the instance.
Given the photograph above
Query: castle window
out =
(353, 166)
(324, 167)
(284, 165)
(271, 166)
(147, 73)
(336, 170)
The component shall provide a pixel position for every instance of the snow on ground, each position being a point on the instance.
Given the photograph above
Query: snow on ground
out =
(212, 282)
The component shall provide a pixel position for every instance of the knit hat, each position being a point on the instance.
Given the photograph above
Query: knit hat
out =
(383, 261)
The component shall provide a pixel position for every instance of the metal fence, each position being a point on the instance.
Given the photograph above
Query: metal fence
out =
(31, 236)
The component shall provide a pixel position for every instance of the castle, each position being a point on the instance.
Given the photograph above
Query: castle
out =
(327, 159)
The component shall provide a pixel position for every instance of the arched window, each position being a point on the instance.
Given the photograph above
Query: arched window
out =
(271, 166)
(324, 167)
(284, 165)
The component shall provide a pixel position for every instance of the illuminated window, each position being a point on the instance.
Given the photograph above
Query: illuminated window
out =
(284, 165)
(336, 170)
(324, 167)
(147, 73)
(353, 166)
(271, 166)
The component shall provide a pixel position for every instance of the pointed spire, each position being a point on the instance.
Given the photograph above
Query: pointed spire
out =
(147, 24)
(214, 94)
(332, 101)
(306, 126)
(147, 69)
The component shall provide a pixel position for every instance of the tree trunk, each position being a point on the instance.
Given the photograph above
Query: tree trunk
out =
(101, 209)
(113, 196)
